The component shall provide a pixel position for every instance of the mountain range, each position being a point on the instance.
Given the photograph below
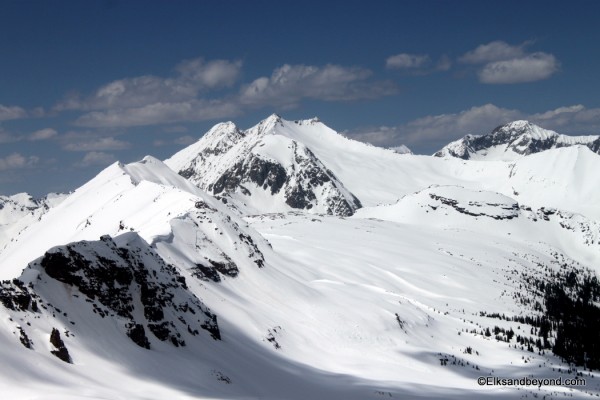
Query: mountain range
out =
(286, 261)
(512, 141)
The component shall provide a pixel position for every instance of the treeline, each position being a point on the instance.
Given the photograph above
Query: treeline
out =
(571, 306)
(569, 322)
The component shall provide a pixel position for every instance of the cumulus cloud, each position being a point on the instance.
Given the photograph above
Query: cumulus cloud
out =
(531, 68)
(575, 120)
(151, 100)
(42, 134)
(91, 142)
(493, 51)
(289, 84)
(405, 60)
(96, 158)
(17, 161)
(192, 77)
(211, 74)
(158, 113)
(434, 130)
(11, 112)
(508, 64)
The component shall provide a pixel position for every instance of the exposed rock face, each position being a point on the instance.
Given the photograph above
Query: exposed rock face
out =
(264, 161)
(60, 349)
(15, 296)
(128, 283)
(515, 139)
(122, 278)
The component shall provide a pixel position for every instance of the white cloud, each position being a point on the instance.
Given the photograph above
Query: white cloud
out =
(533, 67)
(158, 113)
(11, 112)
(211, 74)
(508, 64)
(289, 84)
(574, 120)
(96, 158)
(150, 100)
(42, 134)
(192, 77)
(493, 51)
(438, 129)
(91, 142)
(405, 60)
(17, 161)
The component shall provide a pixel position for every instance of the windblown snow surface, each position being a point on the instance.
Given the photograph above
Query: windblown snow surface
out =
(150, 288)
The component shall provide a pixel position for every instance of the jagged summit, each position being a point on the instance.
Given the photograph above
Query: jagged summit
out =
(512, 141)
(266, 168)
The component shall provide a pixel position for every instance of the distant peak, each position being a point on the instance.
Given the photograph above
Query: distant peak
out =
(223, 126)
(402, 149)
(267, 124)
(272, 119)
(521, 123)
(523, 127)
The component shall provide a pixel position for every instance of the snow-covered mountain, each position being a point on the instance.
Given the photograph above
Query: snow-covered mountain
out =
(407, 277)
(402, 149)
(21, 210)
(185, 225)
(264, 169)
(512, 141)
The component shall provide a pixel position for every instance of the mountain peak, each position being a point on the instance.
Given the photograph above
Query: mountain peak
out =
(266, 125)
(518, 124)
(268, 161)
(522, 127)
(512, 141)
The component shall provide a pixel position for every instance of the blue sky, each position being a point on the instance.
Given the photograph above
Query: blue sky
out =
(85, 83)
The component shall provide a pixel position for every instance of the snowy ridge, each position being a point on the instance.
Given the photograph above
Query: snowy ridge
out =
(263, 169)
(479, 211)
(152, 200)
(21, 210)
(512, 141)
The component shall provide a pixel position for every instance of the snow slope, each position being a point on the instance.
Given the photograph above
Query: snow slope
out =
(146, 197)
(187, 299)
(353, 308)
(20, 210)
